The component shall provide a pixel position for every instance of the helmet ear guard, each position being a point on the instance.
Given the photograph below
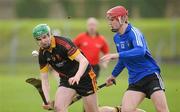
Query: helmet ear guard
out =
(122, 20)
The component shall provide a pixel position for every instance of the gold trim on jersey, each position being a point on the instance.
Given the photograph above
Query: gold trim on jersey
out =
(44, 69)
(73, 56)
(53, 43)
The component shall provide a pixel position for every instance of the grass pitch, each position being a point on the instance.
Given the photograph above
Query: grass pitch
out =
(18, 96)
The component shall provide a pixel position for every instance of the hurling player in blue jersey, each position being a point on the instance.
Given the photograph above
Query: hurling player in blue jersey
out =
(132, 53)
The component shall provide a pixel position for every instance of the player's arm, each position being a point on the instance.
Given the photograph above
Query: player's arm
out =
(109, 57)
(83, 63)
(116, 71)
(138, 44)
(46, 89)
(73, 53)
(44, 76)
(45, 85)
(118, 68)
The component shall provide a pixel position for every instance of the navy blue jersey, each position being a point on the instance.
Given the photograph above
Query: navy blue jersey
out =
(134, 55)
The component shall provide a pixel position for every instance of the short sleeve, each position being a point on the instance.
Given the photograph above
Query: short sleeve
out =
(69, 48)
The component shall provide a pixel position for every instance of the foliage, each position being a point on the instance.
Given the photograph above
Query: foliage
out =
(32, 8)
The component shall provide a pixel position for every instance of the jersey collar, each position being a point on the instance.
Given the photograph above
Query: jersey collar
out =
(97, 34)
(128, 28)
(126, 31)
(53, 44)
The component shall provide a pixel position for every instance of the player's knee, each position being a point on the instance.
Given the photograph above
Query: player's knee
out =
(59, 109)
(91, 110)
(162, 109)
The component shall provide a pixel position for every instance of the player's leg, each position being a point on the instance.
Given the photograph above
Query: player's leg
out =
(131, 100)
(156, 93)
(56, 75)
(96, 69)
(87, 88)
(159, 100)
(90, 103)
(63, 98)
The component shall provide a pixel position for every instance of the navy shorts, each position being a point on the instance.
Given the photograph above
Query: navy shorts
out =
(148, 85)
(87, 84)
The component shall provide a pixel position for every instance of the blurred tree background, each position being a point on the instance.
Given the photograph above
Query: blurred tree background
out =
(32, 8)
(87, 8)
(158, 19)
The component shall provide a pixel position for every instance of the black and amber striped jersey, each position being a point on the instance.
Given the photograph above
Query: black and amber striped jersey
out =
(60, 56)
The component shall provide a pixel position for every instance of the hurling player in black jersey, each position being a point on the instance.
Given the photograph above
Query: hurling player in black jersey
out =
(76, 75)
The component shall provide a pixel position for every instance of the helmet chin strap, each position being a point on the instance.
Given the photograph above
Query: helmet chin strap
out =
(114, 30)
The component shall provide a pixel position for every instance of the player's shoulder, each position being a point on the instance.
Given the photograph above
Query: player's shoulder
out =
(61, 38)
(133, 29)
(101, 37)
(135, 32)
(80, 36)
(63, 41)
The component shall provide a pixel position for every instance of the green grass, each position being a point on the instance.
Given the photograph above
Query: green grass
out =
(18, 96)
